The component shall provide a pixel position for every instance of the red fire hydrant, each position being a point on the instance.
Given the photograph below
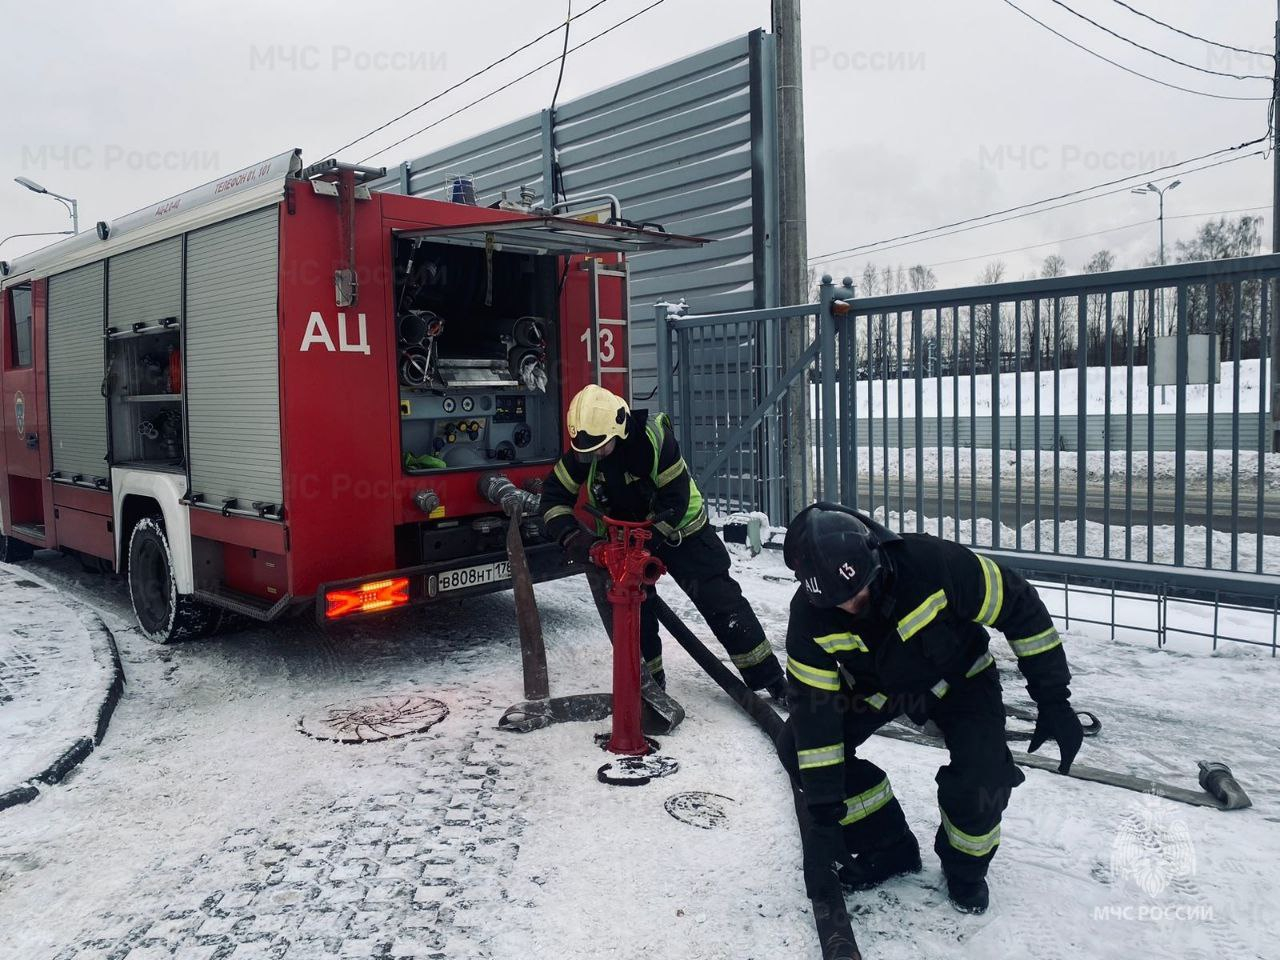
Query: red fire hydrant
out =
(631, 568)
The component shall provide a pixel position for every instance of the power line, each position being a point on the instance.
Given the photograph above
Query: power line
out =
(1069, 203)
(1193, 36)
(1136, 73)
(512, 83)
(1182, 63)
(1047, 243)
(466, 80)
(1037, 203)
(1097, 233)
(564, 55)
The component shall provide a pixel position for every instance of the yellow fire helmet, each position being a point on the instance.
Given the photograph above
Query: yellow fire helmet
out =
(596, 416)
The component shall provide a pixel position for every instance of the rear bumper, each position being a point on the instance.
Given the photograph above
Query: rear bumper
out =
(546, 562)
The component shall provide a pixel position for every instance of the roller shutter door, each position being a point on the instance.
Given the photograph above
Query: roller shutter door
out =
(145, 286)
(232, 360)
(77, 410)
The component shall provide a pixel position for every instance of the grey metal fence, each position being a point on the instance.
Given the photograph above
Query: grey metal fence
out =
(1016, 417)
(1101, 429)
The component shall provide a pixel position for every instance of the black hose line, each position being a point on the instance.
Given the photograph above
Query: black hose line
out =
(835, 933)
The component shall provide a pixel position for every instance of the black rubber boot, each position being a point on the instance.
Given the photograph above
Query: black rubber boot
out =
(968, 896)
(778, 691)
(874, 867)
(835, 933)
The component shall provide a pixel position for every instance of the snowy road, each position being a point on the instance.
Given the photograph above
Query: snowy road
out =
(206, 826)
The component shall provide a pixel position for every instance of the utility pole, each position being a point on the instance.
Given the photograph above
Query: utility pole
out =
(1275, 242)
(793, 245)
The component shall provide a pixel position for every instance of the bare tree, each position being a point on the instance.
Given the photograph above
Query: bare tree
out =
(1222, 239)
(921, 277)
(983, 335)
(887, 277)
(1095, 318)
(870, 281)
(1053, 266)
(1103, 261)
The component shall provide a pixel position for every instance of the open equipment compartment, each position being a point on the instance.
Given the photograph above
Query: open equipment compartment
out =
(477, 348)
(144, 392)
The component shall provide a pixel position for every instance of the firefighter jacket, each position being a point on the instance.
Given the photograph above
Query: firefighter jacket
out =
(644, 478)
(925, 633)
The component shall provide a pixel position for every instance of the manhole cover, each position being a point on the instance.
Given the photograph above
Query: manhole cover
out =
(378, 718)
(637, 771)
(698, 809)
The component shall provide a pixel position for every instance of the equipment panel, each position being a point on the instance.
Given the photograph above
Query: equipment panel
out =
(475, 337)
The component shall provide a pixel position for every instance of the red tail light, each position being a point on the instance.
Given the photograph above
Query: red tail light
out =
(367, 598)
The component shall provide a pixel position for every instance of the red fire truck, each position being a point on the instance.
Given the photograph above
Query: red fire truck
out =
(281, 390)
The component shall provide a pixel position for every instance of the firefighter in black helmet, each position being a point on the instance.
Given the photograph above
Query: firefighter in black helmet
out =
(631, 468)
(885, 625)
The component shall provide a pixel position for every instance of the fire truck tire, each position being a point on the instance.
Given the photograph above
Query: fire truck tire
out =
(163, 614)
(14, 551)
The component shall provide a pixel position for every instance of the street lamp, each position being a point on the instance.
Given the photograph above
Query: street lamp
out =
(67, 202)
(1159, 192)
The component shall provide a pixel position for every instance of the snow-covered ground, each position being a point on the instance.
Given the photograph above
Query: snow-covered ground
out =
(1143, 469)
(207, 826)
(1160, 537)
(52, 679)
(871, 394)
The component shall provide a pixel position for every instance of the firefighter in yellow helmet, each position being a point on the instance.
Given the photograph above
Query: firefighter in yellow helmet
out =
(631, 468)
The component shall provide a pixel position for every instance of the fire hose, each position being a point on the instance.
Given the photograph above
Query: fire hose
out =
(835, 933)
(1220, 791)
(631, 568)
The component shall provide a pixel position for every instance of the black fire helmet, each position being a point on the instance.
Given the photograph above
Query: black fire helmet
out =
(833, 552)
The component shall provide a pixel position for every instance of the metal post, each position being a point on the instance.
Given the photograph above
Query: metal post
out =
(830, 432)
(684, 360)
(1180, 434)
(996, 519)
(662, 352)
(1275, 144)
(549, 197)
(1082, 423)
(793, 245)
(1275, 248)
(920, 365)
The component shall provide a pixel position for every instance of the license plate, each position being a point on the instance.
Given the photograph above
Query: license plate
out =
(465, 577)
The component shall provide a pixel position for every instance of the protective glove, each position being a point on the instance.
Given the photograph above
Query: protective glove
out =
(824, 853)
(669, 518)
(577, 544)
(1057, 721)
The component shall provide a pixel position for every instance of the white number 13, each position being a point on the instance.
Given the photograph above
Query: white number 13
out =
(608, 351)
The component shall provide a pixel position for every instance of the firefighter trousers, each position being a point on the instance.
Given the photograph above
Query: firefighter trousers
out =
(973, 789)
(700, 565)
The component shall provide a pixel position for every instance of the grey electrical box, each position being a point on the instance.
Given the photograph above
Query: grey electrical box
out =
(1204, 360)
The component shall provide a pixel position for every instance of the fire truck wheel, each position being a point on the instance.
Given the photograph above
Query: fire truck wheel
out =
(14, 551)
(163, 614)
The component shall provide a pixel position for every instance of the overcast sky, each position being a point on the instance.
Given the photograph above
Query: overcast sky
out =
(918, 112)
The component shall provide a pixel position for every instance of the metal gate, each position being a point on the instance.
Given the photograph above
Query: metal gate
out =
(948, 411)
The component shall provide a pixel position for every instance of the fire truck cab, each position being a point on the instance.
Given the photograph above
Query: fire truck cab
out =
(283, 390)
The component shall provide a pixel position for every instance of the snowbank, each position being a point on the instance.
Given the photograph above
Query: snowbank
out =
(871, 394)
(1097, 465)
(52, 677)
